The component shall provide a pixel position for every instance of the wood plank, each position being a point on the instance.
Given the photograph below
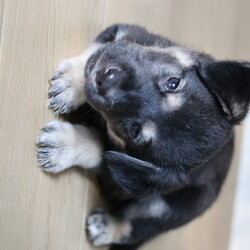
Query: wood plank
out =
(39, 211)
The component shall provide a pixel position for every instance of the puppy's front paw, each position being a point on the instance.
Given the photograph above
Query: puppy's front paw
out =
(67, 86)
(55, 152)
(99, 228)
(62, 145)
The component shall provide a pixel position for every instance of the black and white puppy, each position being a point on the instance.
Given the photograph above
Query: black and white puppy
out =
(166, 115)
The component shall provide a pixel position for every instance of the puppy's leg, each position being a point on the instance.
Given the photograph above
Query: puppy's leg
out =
(103, 229)
(175, 210)
(148, 218)
(62, 145)
(67, 84)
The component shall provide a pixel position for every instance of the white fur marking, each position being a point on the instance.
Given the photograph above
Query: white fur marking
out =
(153, 208)
(67, 83)
(179, 53)
(63, 145)
(157, 208)
(149, 131)
(120, 34)
(183, 57)
(114, 137)
(172, 102)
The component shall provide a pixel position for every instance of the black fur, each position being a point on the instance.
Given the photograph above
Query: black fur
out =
(229, 82)
(187, 161)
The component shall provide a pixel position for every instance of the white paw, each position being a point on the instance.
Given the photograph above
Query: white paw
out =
(62, 145)
(99, 227)
(67, 86)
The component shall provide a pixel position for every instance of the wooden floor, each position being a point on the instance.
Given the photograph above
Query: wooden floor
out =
(39, 211)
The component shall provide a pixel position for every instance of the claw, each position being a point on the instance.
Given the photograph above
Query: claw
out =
(55, 90)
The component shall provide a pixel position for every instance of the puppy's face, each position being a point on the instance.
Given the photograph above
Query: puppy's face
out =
(154, 102)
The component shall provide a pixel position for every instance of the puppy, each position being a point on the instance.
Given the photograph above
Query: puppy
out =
(166, 115)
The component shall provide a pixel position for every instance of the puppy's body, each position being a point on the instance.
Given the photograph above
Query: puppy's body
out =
(166, 115)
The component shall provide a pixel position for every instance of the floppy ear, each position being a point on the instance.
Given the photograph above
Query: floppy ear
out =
(229, 81)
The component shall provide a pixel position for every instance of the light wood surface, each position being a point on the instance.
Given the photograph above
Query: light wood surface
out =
(39, 211)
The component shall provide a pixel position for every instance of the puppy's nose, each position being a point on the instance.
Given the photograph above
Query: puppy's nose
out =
(109, 77)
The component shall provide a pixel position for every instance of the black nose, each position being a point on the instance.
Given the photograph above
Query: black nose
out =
(108, 78)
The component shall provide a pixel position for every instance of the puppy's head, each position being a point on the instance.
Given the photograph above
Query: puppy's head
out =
(164, 104)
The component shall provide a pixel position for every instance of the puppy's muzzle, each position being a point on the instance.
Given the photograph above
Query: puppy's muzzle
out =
(108, 78)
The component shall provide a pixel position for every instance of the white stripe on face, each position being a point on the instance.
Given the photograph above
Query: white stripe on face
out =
(149, 131)
(114, 137)
(172, 102)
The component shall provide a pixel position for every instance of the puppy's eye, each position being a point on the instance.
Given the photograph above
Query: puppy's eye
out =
(172, 84)
(134, 131)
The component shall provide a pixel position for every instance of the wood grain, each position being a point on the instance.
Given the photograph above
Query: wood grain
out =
(39, 211)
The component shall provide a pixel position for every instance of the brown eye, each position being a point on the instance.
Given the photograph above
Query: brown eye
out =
(172, 84)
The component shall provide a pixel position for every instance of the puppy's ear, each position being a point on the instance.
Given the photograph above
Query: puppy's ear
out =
(229, 82)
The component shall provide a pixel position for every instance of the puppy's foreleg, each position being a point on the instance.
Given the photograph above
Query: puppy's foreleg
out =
(66, 91)
(104, 229)
(140, 178)
(143, 220)
(62, 145)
